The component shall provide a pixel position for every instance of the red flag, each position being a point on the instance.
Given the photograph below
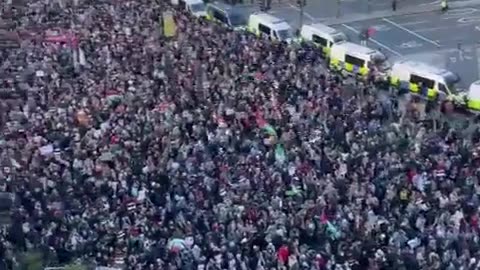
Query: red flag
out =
(283, 254)
(259, 76)
(276, 106)
(58, 36)
(114, 139)
(162, 107)
(260, 120)
(323, 218)
(219, 120)
(474, 221)
(112, 92)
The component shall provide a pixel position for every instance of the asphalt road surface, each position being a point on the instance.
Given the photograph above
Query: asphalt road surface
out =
(331, 8)
(433, 37)
(316, 10)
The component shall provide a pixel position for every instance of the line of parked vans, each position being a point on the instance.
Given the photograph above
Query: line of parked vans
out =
(347, 57)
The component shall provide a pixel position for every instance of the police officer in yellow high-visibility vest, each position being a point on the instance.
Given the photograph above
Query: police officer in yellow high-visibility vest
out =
(444, 5)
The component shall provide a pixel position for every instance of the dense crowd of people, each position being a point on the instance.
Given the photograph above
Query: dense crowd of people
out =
(216, 149)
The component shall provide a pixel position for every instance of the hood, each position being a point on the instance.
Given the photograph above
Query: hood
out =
(240, 28)
(199, 14)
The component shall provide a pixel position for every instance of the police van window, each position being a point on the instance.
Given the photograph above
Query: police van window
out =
(197, 7)
(424, 81)
(339, 37)
(319, 40)
(237, 19)
(183, 5)
(220, 16)
(284, 34)
(264, 29)
(275, 35)
(442, 88)
(354, 60)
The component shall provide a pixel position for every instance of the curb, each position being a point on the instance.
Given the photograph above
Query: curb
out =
(401, 12)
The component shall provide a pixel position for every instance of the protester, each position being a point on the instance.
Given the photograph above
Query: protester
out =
(218, 150)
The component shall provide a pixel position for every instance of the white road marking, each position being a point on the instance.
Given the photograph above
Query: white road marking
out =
(467, 20)
(304, 13)
(433, 29)
(461, 12)
(381, 27)
(411, 32)
(413, 23)
(410, 44)
(461, 24)
(436, 2)
(373, 40)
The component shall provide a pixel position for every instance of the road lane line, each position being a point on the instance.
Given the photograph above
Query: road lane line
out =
(411, 32)
(431, 3)
(373, 40)
(468, 20)
(454, 13)
(304, 13)
(433, 29)
(414, 23)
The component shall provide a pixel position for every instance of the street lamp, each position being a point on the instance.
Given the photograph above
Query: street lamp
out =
(338, 8)
(301, 4)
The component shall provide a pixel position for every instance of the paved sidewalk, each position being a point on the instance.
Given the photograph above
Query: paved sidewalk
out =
(402, 11)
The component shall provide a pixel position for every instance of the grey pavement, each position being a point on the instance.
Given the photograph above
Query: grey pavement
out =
(329, 9)
(347, 10)
(416, 31)
(428, 37)
(432, 6)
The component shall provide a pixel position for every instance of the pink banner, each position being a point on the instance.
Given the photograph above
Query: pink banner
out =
(68, 38)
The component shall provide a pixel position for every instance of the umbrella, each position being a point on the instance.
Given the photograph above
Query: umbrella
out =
(176, 244)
